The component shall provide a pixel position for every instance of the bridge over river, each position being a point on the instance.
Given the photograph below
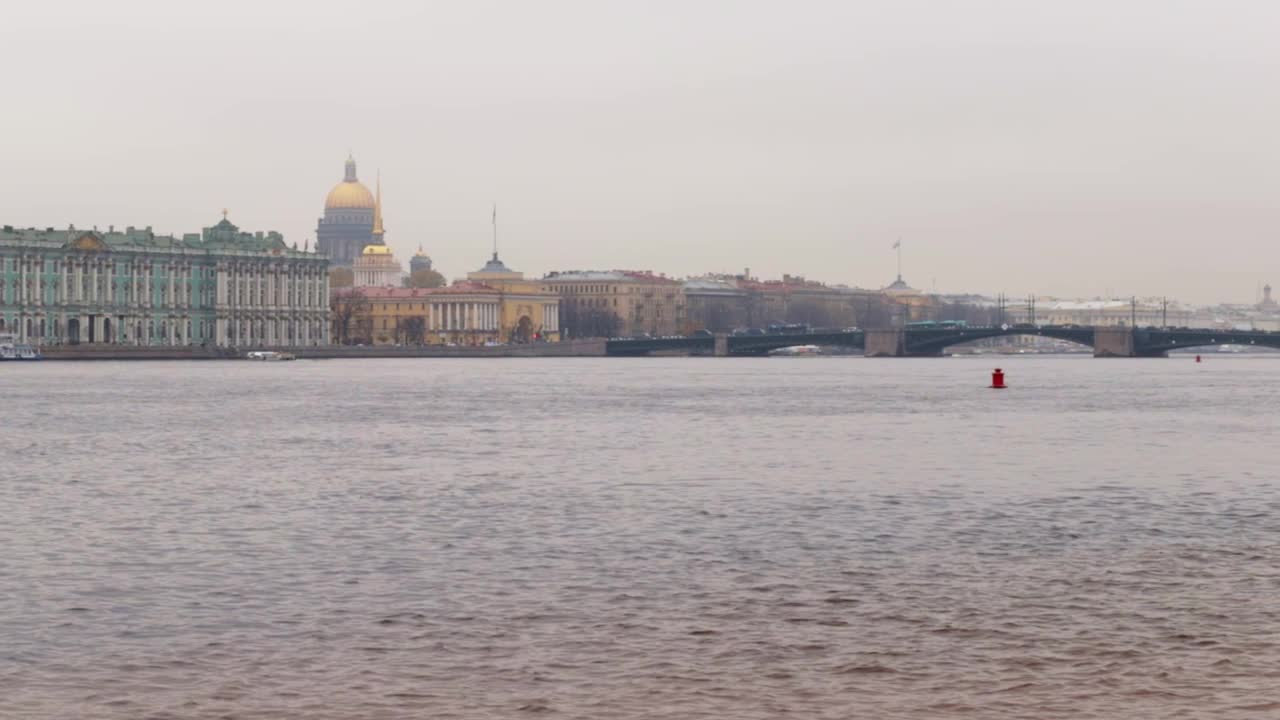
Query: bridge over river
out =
(931, 342)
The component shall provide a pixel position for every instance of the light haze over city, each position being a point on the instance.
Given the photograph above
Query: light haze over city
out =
(1069, 149)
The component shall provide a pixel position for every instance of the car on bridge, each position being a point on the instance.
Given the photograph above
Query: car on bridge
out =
(704, 333)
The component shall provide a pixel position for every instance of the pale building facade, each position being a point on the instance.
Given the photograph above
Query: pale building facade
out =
(1146, 312)
(220, 287)
(377, 267)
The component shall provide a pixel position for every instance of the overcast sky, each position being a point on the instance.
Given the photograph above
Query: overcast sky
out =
(1070, 147)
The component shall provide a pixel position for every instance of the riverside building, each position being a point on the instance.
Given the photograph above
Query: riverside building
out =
(528, 310)
(462, 314)
(617, 302)
(493, 305)
(220, 287)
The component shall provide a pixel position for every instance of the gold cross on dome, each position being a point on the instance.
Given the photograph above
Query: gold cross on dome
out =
(224, 213)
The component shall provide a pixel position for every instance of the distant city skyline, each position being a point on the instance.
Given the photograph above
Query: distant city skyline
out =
(1063, 149)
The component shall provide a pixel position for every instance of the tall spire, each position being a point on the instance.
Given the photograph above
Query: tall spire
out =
(495, 232)
(378, 232)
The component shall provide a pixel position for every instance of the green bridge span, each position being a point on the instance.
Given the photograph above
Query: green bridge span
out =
(1107, 341)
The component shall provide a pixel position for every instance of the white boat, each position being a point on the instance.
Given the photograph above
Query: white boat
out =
(269, 355)
(797, 350)
(11, 349)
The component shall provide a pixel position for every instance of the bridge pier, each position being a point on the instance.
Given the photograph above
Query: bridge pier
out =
(890, 342)
(1122, 342)
(1113, 342)
(721, 345)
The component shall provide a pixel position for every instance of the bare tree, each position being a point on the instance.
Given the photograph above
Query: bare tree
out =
(349, 312)
(584, 321)
(411, 330)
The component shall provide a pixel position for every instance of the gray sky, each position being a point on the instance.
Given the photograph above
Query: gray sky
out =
(1065, 147)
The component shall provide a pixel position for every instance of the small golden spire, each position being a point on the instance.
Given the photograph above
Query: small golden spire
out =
(378, 232)
(224, 213)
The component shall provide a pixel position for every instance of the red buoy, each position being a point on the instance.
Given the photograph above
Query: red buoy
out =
(1197, 358)
(997, 379)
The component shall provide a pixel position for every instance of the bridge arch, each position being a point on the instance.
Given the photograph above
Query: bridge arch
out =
(936, 342)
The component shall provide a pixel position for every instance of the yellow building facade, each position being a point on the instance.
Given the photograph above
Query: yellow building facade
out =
(529, 311)
(619, 302)
(464, 314)
(467, 313)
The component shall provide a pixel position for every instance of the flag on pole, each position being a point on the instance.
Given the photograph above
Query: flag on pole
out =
(495, 213)
(897, 244)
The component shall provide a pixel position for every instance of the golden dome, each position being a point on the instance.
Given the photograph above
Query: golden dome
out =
(376, 250)
(347, 195)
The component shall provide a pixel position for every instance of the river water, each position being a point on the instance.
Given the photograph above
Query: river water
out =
(647, 538)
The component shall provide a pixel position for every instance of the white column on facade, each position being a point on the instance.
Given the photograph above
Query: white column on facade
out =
(19, 293)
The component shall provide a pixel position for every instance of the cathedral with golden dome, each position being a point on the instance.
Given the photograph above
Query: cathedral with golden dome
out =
(352, 219)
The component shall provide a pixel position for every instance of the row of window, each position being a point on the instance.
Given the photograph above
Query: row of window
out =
(583, 289)
(68, 266)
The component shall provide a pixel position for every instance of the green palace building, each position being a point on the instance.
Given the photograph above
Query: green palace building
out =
(221, 287)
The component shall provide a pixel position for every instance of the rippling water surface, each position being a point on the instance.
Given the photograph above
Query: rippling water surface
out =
(665, 538)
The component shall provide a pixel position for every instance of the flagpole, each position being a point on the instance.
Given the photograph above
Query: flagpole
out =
(898, 245)
(495, 231)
